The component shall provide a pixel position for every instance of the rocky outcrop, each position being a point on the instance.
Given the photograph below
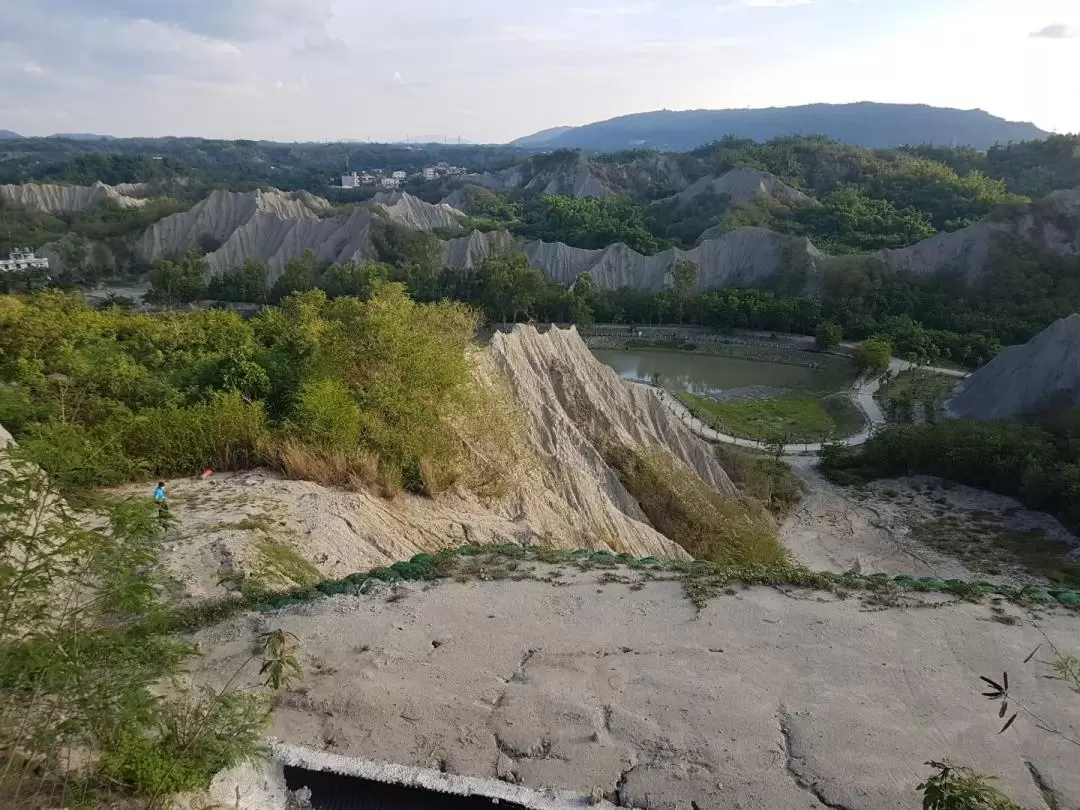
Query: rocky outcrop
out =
(562, 406)
(412, 212)
(1051, 224)
(1022, 379)
(575, 404)
(277, 227)
(546, 174)
(741, 186)
(57, 198)
(466, 252)
(747, 256)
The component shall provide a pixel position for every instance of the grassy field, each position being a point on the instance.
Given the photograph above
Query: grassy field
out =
(802, 417)
(987, 547)
(915, 396)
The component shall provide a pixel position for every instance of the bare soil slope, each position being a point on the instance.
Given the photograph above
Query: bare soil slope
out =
(557, 488)
(1044, 371)
(762, 701)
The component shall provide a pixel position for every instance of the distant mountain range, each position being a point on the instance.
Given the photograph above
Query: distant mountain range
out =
(82, 136)
(863, 124)
(8, 135)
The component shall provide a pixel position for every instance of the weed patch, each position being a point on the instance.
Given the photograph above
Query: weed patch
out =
(801, 417)
(705, 523)
(990, 550)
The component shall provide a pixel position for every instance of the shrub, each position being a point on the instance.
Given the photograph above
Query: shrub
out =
(705, 523)
(327, 416)
(225, 433)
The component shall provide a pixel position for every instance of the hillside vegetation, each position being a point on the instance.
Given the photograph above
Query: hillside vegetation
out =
(335, 391)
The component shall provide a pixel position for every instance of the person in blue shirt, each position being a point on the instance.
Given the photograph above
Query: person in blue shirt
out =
(162, 503)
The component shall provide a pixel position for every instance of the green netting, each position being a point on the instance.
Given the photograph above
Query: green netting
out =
(338, 588)
(409, 570)
(421, 566)
(1036, 595)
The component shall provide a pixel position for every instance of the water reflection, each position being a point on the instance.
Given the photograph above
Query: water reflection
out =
(706, 374)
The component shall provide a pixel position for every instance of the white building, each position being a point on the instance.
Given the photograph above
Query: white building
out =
(399, 175)
(23, 259)
(429, 173)
(390, 182)
(350, 180)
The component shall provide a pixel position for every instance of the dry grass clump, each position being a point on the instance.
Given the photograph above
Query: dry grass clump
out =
(708, 525)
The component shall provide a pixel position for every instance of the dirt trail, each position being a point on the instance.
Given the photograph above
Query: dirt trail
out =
(829, 532)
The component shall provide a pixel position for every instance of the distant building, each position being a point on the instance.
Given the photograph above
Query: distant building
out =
(399, 175)
(23, 259)
(430, 173)
(350, 180)
(390, 182)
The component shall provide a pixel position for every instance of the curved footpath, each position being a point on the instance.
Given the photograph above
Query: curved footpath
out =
(861, 393)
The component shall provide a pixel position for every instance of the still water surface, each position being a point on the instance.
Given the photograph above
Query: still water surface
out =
(710, 374)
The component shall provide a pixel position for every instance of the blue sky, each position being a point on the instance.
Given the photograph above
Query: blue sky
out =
(491, 70)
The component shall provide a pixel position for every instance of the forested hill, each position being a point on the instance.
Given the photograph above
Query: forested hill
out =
(863, 124)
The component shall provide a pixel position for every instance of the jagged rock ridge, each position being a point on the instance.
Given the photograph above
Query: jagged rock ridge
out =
(276, 227)
(1022, 379)
(1051, 224)
(58, 198)
(571, 176)
(741, 186)
(745, 256)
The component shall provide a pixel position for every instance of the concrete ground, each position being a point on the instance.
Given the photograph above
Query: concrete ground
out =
(621, 691)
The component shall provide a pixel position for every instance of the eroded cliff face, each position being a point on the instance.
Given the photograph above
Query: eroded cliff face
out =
(276, 227)
(58, 198)
(1051, 224)
(742, 186)
(562, 408)
(749, 256)
(1044, 372)
(571, 177)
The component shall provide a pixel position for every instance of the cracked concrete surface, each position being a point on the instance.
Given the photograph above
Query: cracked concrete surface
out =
(760, 701)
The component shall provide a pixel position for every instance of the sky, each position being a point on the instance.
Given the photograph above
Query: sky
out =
(492, 70)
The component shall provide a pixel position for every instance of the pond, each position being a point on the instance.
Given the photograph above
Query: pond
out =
(710, 374)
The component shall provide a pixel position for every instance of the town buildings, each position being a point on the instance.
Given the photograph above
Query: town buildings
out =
(23, 259)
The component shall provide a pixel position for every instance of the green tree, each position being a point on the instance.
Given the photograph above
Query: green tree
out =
(299, 275)
(247, 283)
(684, 279)
(828, 336)
(585, 300)
(173, 283)
(589, 222)
(356, 280)
(510, 286)
(872, 356)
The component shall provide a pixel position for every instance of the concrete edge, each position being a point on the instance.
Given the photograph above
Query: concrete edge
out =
(262, 786)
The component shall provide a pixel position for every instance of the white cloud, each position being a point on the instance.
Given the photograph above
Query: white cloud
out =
(741, 4)
(620, 10)
(1055, 31)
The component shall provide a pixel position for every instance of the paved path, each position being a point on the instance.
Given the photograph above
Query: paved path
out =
(862, 395)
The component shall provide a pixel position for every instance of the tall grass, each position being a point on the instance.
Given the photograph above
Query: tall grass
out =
(708, 525)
